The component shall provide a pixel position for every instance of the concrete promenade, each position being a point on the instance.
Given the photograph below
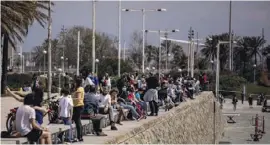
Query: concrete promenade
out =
(239, 133)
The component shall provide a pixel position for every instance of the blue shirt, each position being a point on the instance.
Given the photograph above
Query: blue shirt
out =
(39, 117)
(138, 96)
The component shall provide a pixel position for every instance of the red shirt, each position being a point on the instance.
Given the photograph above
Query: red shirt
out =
(205, 78)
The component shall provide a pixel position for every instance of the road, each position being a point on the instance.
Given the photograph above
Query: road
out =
(239, 132)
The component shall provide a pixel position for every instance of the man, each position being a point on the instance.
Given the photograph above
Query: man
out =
(105, 106)
(26, 125)
(91, 102)
(88, 80)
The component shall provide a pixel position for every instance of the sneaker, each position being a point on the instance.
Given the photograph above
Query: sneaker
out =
(113, 127)
(101, 134)
(119, 123)
(81, 140)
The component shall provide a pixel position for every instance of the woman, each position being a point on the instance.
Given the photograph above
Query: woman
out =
(140, 107)
(116, 105)
(78, 97)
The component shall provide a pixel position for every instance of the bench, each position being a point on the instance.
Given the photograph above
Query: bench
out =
(230, 117)
(57, 131)
(64, 130)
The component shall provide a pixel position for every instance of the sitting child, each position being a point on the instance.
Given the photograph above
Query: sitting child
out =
(168, 103)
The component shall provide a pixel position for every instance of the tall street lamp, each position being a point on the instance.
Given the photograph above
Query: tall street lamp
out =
(93, 34)
(218, 65)
(159, 50)
(143, 26)
(44, 52)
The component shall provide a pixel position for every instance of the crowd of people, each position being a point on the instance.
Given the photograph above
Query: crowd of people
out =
(90, 96)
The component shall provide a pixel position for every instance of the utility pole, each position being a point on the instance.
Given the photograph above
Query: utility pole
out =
(124, 53)
(190, 52)
(262, 49)
(143, 43)
(63, 30)
(78, 55)
(197, 51)
(93, 35)
(230, 36)
(119, 38)
(49, 51)
(166, 45)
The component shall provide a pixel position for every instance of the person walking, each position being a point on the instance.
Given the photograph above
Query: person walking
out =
(234, 102)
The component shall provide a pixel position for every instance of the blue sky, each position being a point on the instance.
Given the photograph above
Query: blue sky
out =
(248, 18)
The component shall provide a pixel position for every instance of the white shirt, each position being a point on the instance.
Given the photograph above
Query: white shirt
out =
(88, 81)
(23, 116)
(105, 100)
(65, 104)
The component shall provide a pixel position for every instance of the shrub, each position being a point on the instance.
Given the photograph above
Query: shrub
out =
(231, 82)
(15, 81)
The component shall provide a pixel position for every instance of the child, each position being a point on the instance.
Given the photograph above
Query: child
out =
(65, 107)
(66, 110)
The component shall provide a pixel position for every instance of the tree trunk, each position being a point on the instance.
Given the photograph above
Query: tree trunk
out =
(4, 64)
(255, 59)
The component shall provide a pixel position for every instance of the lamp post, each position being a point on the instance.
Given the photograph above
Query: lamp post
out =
(66, 64)
(44, 52)
(159, 50)
(97, 61)
(218, 65)
(254, 73)
(143, 26)
(59, 85)
(93, 34)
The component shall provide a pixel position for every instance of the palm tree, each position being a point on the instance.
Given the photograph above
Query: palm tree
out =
(266, 54)
(16, 17)
(210, 49)
(242, 52)
(255, 43)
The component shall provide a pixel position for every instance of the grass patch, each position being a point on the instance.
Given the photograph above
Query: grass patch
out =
(256, 89)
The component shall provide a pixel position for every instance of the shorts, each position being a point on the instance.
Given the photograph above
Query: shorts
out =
(34, 135)
(66, 121)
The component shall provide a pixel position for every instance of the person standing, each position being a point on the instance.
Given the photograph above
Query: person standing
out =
(234, 102)
(78, 98)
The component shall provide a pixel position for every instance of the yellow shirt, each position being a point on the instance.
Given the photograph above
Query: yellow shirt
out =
(78, 101)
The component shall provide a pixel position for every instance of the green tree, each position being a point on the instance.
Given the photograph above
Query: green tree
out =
(179, 59)
(210, 49)
(255, 43)
(242, 54)
(16, 17)
(104, 47)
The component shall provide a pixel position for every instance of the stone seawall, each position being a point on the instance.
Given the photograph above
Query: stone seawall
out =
(190, 123)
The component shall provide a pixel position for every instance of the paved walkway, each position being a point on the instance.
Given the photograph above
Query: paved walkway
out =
(239, 133)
